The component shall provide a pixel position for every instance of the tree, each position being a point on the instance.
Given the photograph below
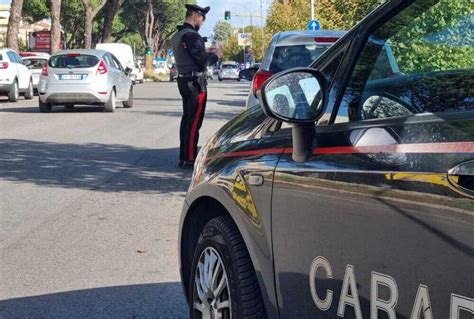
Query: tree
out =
(14, 24)
(333, 14)
(55, 25)
(90, 11)
(111, 11)
(35, 10)
(222, 31)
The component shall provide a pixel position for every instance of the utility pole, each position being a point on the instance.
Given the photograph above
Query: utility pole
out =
(312, 9)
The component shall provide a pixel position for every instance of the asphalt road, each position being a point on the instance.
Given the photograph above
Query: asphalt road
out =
(90, 204)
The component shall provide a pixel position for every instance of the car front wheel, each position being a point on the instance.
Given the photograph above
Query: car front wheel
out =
(129, 102)
(223, 283)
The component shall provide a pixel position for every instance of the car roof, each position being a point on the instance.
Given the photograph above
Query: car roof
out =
(5, 50)
(286, 38)
(99, 53)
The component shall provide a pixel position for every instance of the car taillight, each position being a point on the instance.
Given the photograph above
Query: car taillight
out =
(44, 70)
(3, 65)
(102, 69)
(259, 78)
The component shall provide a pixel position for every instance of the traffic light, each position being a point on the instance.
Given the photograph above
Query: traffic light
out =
(227, 15)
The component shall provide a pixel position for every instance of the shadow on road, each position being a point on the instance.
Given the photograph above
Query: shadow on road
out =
(161, 300)
(209, 115)
(100, 167)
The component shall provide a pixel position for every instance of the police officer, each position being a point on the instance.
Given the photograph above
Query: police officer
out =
(192, 61)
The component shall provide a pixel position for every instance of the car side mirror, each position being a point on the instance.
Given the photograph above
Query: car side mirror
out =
(128, 70)
(296, 96)
(248, 74)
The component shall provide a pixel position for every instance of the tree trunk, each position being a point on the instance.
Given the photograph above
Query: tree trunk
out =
(55, 26)
(14, 24)
(90, 14)
(112, 8)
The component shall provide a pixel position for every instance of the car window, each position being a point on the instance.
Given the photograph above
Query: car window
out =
(117, 64)
(35, 64)
(418, 62)
(1, 57)
(287, 57)
(12, 57)
(73, 60)
(229, 66)
(108, 60)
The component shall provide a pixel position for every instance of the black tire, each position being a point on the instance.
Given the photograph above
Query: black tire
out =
(111, 102)
(69, 106)
(238, 80)
(30, 92)
(14, 93)
(221, 235)
(44, 107)
(220, 79)
(129, 103)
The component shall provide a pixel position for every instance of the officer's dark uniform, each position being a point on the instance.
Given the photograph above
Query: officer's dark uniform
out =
(191, 62)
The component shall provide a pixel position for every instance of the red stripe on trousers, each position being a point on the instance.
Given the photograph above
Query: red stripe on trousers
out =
(194, 127)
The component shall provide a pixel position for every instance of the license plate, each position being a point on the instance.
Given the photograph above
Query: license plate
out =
(71, 76)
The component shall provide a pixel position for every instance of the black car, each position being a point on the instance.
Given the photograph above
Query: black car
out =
(349, 192)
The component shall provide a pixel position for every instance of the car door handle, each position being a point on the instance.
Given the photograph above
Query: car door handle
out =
(462, 178)
(255, 180)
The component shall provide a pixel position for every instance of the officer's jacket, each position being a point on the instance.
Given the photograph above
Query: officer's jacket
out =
(189, 50)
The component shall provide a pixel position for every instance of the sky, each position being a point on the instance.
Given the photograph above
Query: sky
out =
(5, 1)
(218, 7)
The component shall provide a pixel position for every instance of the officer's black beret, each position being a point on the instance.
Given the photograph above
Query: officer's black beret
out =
(200, 10)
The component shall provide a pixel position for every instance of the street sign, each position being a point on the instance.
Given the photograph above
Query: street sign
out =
(170, 52)
(314, 25)
(244, 39)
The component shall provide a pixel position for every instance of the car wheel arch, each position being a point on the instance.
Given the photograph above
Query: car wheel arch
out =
(197, 216)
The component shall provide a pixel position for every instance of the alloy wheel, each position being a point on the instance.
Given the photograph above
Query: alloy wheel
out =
(211, 298)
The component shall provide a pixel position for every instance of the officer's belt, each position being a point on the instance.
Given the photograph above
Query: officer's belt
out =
(190, 75)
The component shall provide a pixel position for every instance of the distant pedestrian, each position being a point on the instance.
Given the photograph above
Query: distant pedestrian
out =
(192, 61)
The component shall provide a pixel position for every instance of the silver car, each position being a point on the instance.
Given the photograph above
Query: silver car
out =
(228, 71)
(35, 64)
(288, 49)
(91, 77)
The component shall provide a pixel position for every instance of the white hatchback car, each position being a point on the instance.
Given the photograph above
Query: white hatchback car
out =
(91, 77)
(15, 77)
(229, 71)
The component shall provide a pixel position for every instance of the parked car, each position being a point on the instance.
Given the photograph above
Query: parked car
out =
(228, 71)
(91, 77)
(35, 63)
(349, 192)
(137, 75)
(124, 54)
(173, 73)
(210, 72)
(15, 77)
(286, 50)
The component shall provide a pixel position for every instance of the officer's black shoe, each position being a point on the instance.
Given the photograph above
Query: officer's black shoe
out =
(188, 165)
(180, 163)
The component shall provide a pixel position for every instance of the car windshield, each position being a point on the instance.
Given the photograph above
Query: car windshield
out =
(73, 61)
(287, 57)
(229, 66)
(35, 64)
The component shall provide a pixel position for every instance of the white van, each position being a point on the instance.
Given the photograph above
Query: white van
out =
(124, 53)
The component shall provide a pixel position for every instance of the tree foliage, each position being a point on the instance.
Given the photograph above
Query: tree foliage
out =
(222, 31)
(333, 14)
